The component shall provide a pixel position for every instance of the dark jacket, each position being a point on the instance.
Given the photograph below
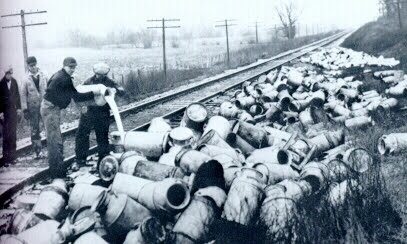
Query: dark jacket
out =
(60, 90)
(9, 99)
(104, 81)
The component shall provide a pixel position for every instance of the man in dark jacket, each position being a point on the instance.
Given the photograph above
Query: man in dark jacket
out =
(58, 95)
(95, 117)
(10, 109)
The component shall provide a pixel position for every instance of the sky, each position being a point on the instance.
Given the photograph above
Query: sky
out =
(98, 17)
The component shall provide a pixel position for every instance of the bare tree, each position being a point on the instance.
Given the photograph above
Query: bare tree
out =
(146, 37)
(288, 14)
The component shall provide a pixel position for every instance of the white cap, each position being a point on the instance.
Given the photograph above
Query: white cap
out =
(101, 68)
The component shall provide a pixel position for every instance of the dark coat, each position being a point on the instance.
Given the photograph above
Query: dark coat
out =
(60, 90)
(9, 99)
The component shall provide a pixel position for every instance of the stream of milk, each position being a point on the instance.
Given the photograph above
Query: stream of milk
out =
(115, 110)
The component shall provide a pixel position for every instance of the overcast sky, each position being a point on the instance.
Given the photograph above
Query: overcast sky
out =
(100, 16)
(97, 17)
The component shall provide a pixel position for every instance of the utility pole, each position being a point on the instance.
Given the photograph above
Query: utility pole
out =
(163, 27)
(23, 32)
(226, 25)
(399, 14)
(257, 33)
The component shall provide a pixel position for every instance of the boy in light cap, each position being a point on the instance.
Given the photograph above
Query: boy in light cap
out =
(32, 92)
(95, 117)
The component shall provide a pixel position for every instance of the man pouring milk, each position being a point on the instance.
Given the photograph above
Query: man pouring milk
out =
(95, 117)
(60, 90)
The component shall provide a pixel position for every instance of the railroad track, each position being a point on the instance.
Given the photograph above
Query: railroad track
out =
(211, 92)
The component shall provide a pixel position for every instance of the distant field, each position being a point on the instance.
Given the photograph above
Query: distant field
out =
(202, 52)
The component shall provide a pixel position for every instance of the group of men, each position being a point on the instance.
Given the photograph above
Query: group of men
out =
(40, 98)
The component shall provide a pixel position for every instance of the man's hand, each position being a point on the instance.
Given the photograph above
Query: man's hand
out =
(19, 115)
(2, 117)
(101, 90)
(84, 109)
(26, 114)
(111, 91)
(120, 91)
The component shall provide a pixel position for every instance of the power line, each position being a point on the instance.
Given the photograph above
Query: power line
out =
(163, 27)
(23, 25)
(257, 35)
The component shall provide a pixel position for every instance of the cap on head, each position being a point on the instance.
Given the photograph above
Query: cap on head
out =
(69, 61)
(101, 69)
(31, 60)
(8, 70)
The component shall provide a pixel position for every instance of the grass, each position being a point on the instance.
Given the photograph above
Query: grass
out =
(138, 82)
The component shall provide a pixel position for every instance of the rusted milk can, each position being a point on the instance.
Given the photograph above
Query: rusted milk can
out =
(90, 237)
(273, 112)
(80, 222)
(269, 155)
(317, 174)
(254, 135)
(84, 195)
(149, 231)
(327, 141)
(245, 102)
(277, 213)
(306, 118)
(296, 189)
(280, 172)
(358, 159)
(268, 96)
(196, 221)
(244, 197)
(256, 109)
(148, 144)
(182, 137)
(213, 151)
(338, 170)
(159, 125)
(190, 160)
(41, 233)
(284, 99)
(213, 138)
(169, 157)
(169, 195)
(195, 116)
(230, 168)
(219, 124)
(299, 105)
(228, 110)
(392, 143)
(140, 167)
(108, 167)
(119, 212)
(23, 219)
(236, 141)
(52, 200)
(358, 122)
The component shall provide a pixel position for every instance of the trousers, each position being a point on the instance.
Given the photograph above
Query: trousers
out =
(9, 135)
(35, 117)
(99, 121)
(51, 116)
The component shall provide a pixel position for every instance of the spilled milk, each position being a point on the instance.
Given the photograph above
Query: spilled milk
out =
(113, 106)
